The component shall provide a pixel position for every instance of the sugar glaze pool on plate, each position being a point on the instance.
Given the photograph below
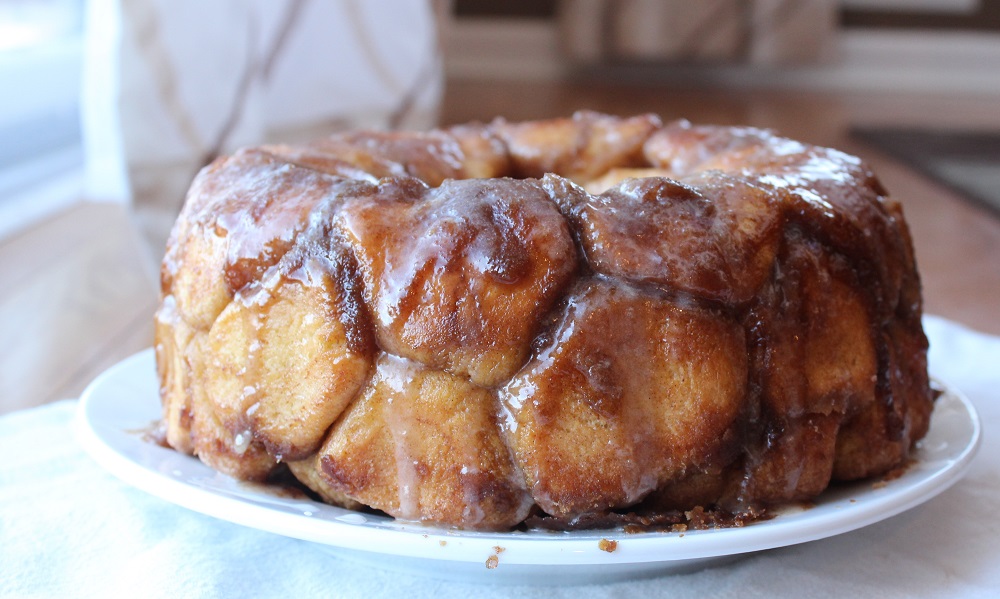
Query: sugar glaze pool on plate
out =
(124, 400)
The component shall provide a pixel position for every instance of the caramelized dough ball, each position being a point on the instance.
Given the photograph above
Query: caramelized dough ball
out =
(484, 154)
(459, 277)
(284, 363)
(347, 163)
(817, 364)
(883, 434)
(309, 473)
(461, 152)
(432, 157)
(712, 235)
(242, 215)
(682, 148)
(833, 195)
(792, 461)
(580, 148)
(616, 176)
(200, 289)
(171, 339)
(812, 335)
(628, 392)
(866, 445)
(797, 460)
(424, 445)
(714, 485)
(237, 454)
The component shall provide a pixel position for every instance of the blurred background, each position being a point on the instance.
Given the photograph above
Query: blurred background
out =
(109, 107)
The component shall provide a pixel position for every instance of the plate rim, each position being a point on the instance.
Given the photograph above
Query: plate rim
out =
(415, 540)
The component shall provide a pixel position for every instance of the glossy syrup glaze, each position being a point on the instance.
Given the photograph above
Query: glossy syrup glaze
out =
(575, 321)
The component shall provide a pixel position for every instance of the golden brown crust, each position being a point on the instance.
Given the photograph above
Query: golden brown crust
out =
(558, 319)
(713, 235)
(465, 286)
(580, 148)
(424, 445)
(628, 392)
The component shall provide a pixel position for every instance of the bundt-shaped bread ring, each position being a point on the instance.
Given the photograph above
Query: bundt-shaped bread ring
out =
(563, 321)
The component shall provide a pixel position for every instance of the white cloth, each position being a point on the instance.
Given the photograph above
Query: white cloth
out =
(70, 529)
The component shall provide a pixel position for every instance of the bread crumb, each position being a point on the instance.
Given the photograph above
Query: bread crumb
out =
(607, 545)
(494, 560)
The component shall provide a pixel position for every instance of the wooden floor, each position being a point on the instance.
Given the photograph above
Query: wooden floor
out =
(80, 288)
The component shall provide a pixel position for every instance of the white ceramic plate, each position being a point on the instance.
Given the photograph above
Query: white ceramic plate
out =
(123, 402)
